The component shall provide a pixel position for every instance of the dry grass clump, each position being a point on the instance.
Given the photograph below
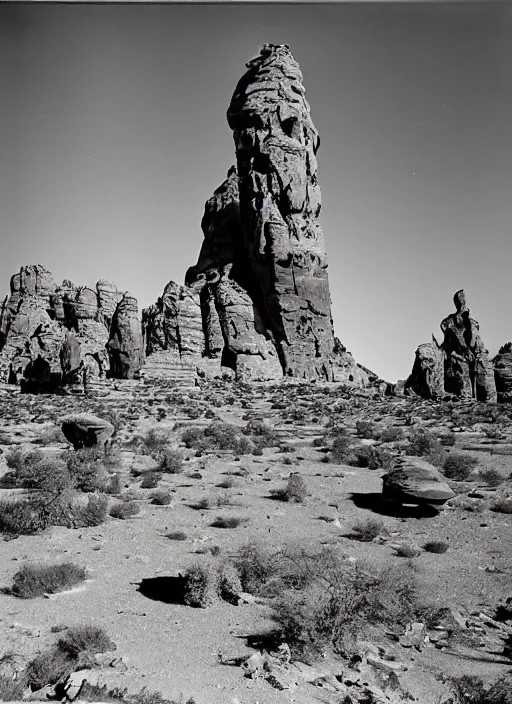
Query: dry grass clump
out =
(217, 436)
(176, 535)
(85, 638)
(170, 461)
(423, 443)
(367, 429)
(295, 490)
(502, 505)
(458, 466)
(97, 693)
(436, 546)
(491, 477)
(161, 497)
(227, 521)
(370, 457)
(35, 580)
(125, 509)
(368, 530)
(150, 480)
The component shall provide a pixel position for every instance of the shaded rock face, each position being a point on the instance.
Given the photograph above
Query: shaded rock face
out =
(53, 336)
(125, 346)
(460, 366)
(503, 372)
(276, 144)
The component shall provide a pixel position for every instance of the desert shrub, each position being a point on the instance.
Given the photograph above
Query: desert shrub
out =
(294, 491)
(502, 505)
(261, 433)
(370, 457)
(35, 470)
(93, 513)
(125, 509)
(200, 585)
(341, 444)
(409, 550)
(423, 443)
(447, 439)
(24, 517)
(338, 601)
(230, 584)
(150, 481)
(368, 530)
(35, 580)
(436, 546)
(227, 483)
(96, 693)
(367, 429)
(16, 459)
(52, 435)
(469, 689)
(161, 498)
(170, 460)
(176, 535)
(154, 441)
(458, 466)
(217, 436)
(227, 522)
(86, 469)
(114, 485)
(48, 668)
(11, 690)
(391, 433)
(491, 477)
(85, 638)
(256, 566)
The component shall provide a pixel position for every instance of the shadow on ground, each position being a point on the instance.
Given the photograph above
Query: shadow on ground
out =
(374, 502)
(170, 590)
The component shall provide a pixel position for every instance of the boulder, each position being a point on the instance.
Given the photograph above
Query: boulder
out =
(86, 430)
(415, 481)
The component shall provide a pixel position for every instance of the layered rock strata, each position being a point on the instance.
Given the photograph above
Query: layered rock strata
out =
(259, 291)
(459, 366)
(53, 336)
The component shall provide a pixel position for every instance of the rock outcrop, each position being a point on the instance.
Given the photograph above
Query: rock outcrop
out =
(124, 346)
(459, 366)
(503, 372)
(86, 430)
(257, 302)
(276, 145)
(56, 336)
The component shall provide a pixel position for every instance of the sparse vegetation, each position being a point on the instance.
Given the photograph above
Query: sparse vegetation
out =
(227, 522)
(125, 509)
(436, 546)
(295, 490)
(458, 466)
(35, 580)
(491, 477)
(161, 498)
(368, 530)
(423, 443)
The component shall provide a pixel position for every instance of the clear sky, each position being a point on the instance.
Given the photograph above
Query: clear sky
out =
(114, 133)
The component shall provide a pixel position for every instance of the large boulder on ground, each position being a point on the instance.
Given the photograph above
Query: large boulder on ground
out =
(415, 481)
(86, 430)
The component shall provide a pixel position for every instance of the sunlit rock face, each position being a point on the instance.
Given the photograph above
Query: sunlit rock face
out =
(276, 145)
(56, 336)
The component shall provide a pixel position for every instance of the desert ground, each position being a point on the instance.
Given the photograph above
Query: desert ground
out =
(198, 499)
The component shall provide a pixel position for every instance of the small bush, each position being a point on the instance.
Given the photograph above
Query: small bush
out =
(86, 469)
(94, 513)
(367, 429)
(436, 546)
(491, 477)
(200, 585)
(176, 535)
(217, 436)
(423, 443)
(35, 580)
(125, 509)
(227, 483)
(230, 584)
(150, 481)
(161, 498)
(48, 668)
(155, 441)
(340, 448)
(227, 522)
(391, 434)
(469, 689)
(366, 531)
(458, 466)
(114, 485)
(85, 639)
(370, 457)
(256, 566)
(407, 550)
(170, 461)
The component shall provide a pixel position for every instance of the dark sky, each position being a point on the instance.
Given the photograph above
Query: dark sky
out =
(114, 133)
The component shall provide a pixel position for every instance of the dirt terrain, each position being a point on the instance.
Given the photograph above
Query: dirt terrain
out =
(133, 565)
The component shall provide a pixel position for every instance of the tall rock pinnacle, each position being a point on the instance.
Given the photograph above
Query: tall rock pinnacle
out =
(276, 144)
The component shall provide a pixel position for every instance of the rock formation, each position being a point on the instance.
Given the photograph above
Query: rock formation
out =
(86, 430)
(460, 366)
(276, 145)
(125, 341)
(257, 301)
(415, 481)
(503, 372)
(53, 336)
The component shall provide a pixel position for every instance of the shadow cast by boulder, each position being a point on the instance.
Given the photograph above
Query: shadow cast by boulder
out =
(374, 502)
(169, 590)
